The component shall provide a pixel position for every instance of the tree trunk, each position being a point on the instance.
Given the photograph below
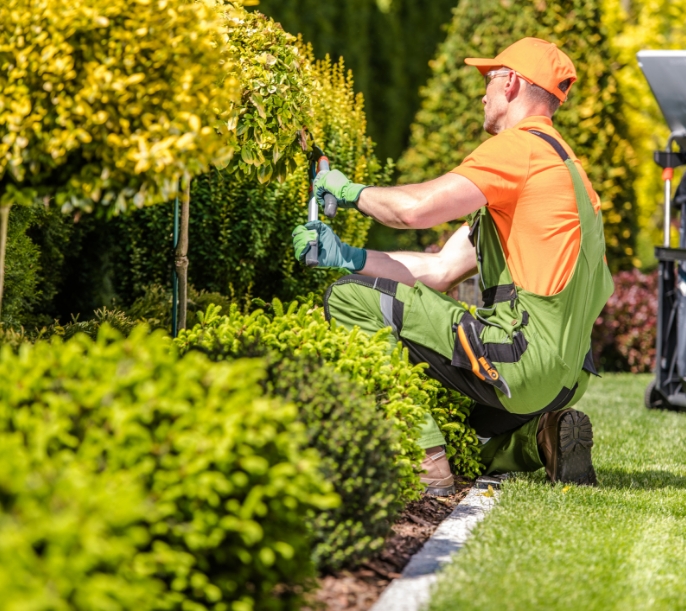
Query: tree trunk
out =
(4, 218)
(181, 259)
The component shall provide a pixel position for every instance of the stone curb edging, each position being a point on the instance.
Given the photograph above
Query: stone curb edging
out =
(412, 590)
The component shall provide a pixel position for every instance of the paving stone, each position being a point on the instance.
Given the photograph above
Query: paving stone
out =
(411, 592)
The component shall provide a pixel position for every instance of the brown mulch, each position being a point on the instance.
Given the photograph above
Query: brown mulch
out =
(358, 590)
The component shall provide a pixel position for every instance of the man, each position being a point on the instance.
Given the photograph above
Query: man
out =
(534, 234)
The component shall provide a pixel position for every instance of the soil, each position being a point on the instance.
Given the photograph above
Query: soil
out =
(358, 590)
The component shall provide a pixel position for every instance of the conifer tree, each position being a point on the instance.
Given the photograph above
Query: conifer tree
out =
(449, 125)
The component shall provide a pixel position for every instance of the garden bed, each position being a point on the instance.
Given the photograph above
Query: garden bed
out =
(359, 589)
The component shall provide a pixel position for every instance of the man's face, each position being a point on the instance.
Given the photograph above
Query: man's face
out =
(495, 102)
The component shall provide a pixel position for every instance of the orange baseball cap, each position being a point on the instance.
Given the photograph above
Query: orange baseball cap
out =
(537, 60)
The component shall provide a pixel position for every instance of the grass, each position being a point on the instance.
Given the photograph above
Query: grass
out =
(621, 546)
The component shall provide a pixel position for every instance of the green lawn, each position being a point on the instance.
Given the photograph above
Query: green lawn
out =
(619, 546)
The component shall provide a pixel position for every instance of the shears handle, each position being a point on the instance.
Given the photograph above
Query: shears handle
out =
(330, 203)
(320, 163)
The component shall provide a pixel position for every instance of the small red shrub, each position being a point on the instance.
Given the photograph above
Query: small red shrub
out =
(624, 334)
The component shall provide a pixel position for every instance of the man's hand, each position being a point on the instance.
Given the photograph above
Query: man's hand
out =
(332, 252)
(332, 181)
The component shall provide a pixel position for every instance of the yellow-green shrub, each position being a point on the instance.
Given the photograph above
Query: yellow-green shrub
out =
(69, 537)
(449, 125)
(108, 104)
(648, 24)
(226, 482)
(275, 102)
(240, 230)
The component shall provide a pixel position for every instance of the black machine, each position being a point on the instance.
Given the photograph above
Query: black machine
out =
(666, 74)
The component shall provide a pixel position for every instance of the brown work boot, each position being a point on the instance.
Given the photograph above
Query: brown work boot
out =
(565, 439)
(437, 475)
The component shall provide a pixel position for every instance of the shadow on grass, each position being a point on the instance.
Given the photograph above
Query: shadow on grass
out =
(639, 480)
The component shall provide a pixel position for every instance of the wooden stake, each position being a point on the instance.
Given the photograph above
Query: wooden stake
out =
(181, 259)
(4, 218)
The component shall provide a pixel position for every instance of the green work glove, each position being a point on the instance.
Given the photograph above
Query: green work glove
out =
(332, 252)
(332, 181)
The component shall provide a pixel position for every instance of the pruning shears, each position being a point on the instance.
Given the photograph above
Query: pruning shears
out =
(318, 163)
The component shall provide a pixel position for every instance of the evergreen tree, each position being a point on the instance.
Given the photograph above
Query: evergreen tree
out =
(387, 44)
(633, 26)
(449, 125)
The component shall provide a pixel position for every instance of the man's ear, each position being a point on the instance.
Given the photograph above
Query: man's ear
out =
(512, 86)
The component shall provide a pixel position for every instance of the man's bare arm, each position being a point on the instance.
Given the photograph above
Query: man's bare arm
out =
(423, 205)
(440, 271)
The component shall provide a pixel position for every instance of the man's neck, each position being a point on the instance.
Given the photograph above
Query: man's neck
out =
(517, 114)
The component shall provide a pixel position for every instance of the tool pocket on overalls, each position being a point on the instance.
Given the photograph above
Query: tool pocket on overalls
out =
(470, 353)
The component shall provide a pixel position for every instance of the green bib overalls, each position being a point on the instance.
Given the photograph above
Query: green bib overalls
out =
(522, 355)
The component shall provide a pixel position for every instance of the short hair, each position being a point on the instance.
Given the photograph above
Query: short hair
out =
(541, 96)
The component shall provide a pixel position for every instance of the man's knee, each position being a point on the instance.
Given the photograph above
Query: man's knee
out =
(352, 302)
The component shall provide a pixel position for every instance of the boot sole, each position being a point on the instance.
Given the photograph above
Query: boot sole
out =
(576, 441)
(439, 490)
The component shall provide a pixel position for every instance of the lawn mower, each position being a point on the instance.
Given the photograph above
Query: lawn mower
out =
(665, 72)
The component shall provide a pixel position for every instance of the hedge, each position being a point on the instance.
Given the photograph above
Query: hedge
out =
(223, 475)
(356, 444)
(449, 125)
(402, 392)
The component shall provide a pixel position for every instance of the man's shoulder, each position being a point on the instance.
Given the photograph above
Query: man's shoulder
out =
(504, 145)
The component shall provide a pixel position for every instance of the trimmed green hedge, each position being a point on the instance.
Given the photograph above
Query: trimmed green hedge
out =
(402, 392)
(449, 125)
(356, 444)
(69, 537)
(223, 475)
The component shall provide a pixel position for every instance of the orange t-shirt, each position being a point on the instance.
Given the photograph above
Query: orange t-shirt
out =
(530, 196)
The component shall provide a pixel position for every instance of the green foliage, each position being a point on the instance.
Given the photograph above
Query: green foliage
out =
(21, 267)
(275, 95)
(386, 44)
(356, 444)
(68, 536)
(37, 240)
(221, 468)
(240, 230)
(449, 125)
(633, 26)
(402, 392)
(111, 104)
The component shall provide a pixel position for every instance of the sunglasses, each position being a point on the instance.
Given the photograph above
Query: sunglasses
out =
(489, 76)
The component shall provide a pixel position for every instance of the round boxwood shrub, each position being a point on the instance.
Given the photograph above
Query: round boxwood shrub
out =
(401, 391)
(356, 444)
(226, 481)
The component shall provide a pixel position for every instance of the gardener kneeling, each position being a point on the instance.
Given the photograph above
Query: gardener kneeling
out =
(535, 236)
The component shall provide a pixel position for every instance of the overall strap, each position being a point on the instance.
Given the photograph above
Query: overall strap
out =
(589, 221)
(559, 149)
